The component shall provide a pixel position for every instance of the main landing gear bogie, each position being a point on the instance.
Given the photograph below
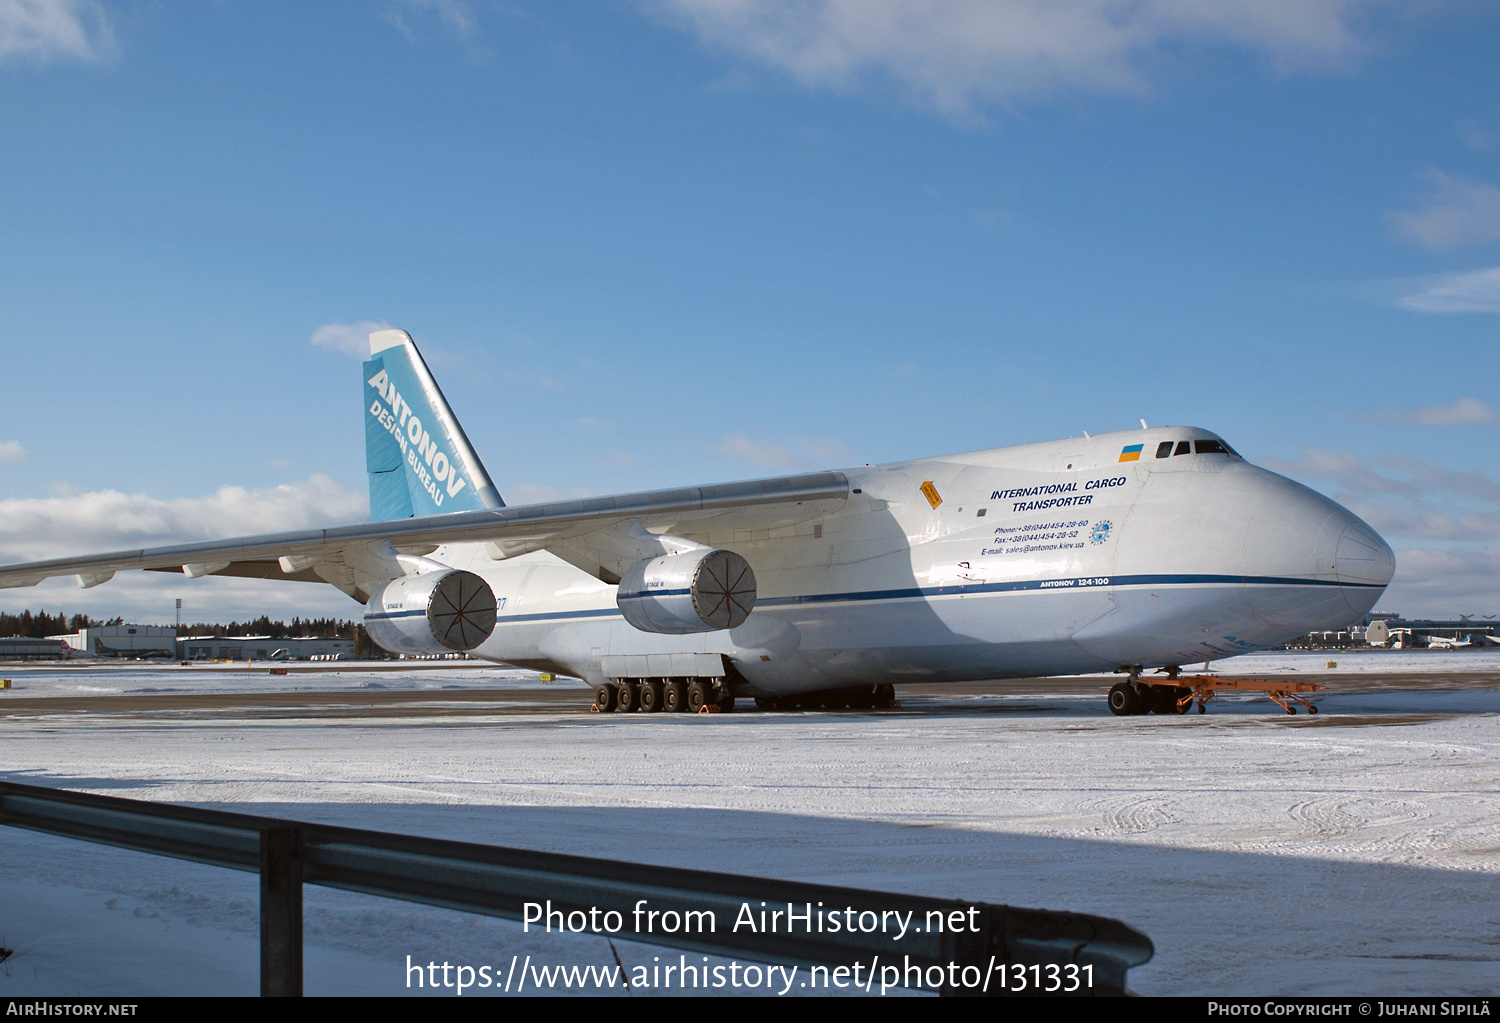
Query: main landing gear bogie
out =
(672, 695)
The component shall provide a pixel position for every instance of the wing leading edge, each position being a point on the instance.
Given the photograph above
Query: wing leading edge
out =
(323, 554)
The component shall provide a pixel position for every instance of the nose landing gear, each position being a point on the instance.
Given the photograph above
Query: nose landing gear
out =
(1138, 697)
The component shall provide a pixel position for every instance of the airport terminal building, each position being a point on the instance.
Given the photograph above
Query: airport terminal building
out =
(123, 641)
(162, 642)
(25, 648)
(263, 648)
(1403, 633)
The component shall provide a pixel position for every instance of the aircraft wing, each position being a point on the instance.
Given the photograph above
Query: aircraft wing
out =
(321, 554)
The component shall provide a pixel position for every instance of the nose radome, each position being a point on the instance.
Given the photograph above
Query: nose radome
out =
(1365, 564)
(1363, 558)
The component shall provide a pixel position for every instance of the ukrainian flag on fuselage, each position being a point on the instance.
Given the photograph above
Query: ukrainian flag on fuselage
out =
(1131, 453)
(418, 458)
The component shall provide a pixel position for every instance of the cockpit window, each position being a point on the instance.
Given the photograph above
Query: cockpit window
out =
(1211, 447)
(1184, 447)
(1164, 449)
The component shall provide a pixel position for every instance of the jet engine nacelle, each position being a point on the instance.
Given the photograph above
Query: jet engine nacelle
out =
(700, 590)
(431, 613)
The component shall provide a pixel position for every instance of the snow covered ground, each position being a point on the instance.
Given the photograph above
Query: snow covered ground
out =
(1352, 853)
(127, 678)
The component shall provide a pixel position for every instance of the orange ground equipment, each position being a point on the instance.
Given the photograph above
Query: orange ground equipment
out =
(1202, 688)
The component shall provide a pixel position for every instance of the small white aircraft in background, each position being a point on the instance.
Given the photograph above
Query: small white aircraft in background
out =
(1449, 643)
(1119, 552)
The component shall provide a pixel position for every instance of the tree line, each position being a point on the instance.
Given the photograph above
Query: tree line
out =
(41, 624)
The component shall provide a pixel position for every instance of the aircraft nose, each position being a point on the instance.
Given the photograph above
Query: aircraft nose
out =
(1363, 564)
(1310, 562)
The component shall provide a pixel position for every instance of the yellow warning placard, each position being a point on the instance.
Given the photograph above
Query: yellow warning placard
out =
(930, 492)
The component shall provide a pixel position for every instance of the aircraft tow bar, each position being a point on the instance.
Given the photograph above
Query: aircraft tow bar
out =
(1278, 691)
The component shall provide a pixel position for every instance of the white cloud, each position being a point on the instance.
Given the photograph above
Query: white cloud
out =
(147, 598)
(1460, 412)
(1405, 497)
(956, 55)
(1473, 291)
(455, 16)
(1425, 475)
(1444, 526)
(102, 521)
(1460, 212)
(1439, 583)
(799, 453)
(11, 451)
(95, 523)
(46, 30)
(349, 338)
(1355, 475)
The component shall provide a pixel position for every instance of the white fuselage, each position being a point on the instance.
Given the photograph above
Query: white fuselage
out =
(1044, 559)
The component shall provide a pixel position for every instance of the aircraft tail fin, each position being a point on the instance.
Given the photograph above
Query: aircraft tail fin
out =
(419, 460)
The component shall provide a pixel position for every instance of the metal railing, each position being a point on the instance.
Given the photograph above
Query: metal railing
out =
(498, 881)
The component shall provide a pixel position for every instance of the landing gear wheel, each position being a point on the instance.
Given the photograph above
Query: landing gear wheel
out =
(726, 700)
(1163, 699)
(1123, 700)
(1174, 700)
(674, 697)
(629, 698)
(607, 697)
(1202, 707)
(651, 696)
(1312, 710)
(1145, 697)
(1290, 709)
(699, 695)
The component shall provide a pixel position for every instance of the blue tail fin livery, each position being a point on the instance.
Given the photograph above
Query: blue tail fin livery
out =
(419, 460)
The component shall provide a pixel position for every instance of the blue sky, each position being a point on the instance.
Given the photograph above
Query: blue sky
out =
(682, 241)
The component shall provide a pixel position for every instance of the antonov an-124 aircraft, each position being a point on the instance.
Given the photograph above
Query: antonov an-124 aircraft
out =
(1122, 552)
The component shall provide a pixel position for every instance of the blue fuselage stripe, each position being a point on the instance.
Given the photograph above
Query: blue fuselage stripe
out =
(1084, 582)
(923, 592)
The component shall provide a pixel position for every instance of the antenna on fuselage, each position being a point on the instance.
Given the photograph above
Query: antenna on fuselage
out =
(1144, 426)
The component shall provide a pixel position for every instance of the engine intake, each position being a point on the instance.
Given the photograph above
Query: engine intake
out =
(431, 613)
(691, 591)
